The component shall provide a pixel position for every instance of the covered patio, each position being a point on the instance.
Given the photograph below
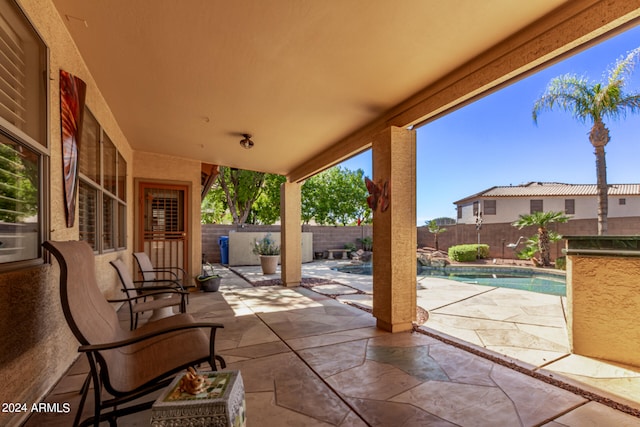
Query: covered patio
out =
(310, 360)
(173, 90)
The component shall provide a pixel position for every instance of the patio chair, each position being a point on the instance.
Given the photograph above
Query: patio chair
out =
(149, 298)
(150, 273)
(126, 364)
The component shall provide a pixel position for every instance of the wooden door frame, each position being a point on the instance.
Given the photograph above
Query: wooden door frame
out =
(140, 184)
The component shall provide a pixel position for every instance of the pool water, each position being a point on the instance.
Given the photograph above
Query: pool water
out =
(504, 277)
(540, 282)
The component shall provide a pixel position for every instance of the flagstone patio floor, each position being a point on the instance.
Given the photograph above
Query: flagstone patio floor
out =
(312, 356)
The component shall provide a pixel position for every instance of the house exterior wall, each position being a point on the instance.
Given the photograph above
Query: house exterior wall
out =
(37, 346)
(508, 209)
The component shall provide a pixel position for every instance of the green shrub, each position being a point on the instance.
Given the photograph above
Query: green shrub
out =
(528, 252)
(351, 247)
(561, 263)
(367, 243)
(466, 253)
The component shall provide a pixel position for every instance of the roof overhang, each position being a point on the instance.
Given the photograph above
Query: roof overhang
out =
(312, 81)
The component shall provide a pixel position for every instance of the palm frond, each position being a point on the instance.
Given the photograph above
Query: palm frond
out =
(623, 68)
(540, 219)
(626, 103)
(570, 93)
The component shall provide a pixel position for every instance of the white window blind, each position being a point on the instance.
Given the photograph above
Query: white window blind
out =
(12, 77)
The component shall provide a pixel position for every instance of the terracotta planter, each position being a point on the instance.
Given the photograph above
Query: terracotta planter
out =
(269, 263)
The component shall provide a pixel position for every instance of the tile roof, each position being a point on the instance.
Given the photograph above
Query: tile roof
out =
(550, 189)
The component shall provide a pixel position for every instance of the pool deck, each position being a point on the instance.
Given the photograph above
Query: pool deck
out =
(485, 357)
(520, 328)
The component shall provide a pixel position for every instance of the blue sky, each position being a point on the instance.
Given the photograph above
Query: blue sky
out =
(495, 142)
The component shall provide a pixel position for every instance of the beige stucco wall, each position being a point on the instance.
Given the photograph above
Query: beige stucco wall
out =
(603, 294)
(151, 167)
(394, 230)
(241, 247)
(37, 346)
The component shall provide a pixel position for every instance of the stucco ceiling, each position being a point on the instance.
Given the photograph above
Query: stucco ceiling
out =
(187, 78)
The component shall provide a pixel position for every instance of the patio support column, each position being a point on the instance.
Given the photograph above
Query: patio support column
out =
(290, 234)
(394, 230)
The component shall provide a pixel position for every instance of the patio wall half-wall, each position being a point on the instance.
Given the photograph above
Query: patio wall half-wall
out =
(603, 297)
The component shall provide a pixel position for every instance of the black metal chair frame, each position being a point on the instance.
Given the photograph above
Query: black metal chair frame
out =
(179, 279)
(141, 293)
(99, 370)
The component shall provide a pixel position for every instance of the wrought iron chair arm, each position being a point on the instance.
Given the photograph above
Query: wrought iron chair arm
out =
(167, 289)
(150, 294)
(123, 343)
(170, 270)
(174, 284)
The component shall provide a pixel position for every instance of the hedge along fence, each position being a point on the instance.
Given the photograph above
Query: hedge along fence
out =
(467, 253)
(324, 237)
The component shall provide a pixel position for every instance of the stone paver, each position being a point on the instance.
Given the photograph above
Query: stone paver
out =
(519, 325)
(310, 360)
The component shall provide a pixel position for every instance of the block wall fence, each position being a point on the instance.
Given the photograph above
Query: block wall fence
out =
(497, 236)
(324, 237)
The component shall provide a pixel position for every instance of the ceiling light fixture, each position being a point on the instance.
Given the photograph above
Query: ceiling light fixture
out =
(246, 142)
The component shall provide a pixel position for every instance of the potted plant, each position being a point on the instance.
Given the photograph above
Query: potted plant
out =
(209, 281)
(269, 253)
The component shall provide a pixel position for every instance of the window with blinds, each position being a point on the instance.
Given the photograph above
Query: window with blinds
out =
(23, 106)
(570, 206)
(164, 219)
(22, 64)
(103, 177)
(88, 211)
(535, 206)
(13, 93)
(489, 207)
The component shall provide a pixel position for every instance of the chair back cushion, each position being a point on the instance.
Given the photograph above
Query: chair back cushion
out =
(125, 278)
(91, 318)
(146, 268)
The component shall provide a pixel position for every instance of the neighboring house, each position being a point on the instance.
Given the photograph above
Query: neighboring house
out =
(503, 204)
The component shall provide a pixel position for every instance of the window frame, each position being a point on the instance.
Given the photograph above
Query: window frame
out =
(570, 206)
(490, 207)
(40, 148)
(532, 210)
(105, 197)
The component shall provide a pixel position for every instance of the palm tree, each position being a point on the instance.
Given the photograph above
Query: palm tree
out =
(435, 229)
(541, 220)
(592, 102)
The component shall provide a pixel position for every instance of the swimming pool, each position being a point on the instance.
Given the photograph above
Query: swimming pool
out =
(502, 277)
(506, 277)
